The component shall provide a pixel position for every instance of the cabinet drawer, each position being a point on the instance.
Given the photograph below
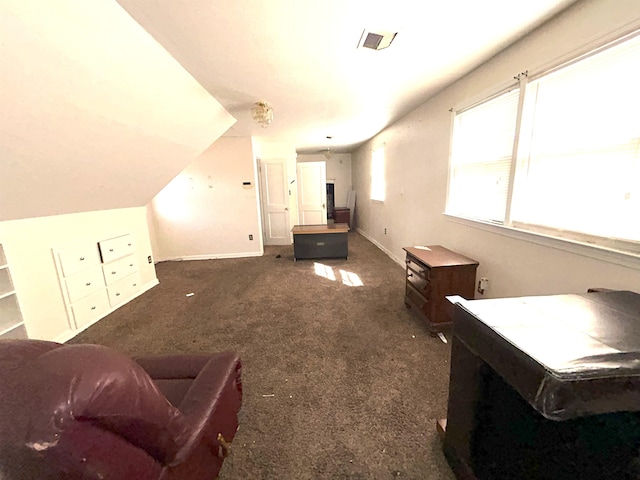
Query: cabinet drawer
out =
(418, 269)
(419, 281)
(321, 245)
(114, 271)
(416, 298)
(115, 248)
(124, 289)
(84, 283)
(90, 308)
(79, 257)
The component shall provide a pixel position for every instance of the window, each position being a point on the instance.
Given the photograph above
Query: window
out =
(559, 154)
(377, 175)
(481, 161)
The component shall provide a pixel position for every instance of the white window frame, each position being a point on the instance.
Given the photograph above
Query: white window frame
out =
(621, 252)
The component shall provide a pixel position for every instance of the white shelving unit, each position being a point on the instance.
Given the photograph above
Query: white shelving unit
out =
(11, 323)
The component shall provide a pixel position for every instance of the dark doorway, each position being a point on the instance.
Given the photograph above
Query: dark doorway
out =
(330, 201)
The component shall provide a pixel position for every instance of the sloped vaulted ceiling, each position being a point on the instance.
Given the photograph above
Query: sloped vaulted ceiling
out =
(95, 114)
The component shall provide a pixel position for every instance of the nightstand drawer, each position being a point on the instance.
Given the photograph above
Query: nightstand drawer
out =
(419, 280)
(416, 298)
(418, 268)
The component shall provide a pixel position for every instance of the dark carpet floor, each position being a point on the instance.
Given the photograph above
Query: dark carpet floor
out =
(340, 381)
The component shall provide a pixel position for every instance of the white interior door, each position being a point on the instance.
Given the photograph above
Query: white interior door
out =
(275, 202)
(312, 193)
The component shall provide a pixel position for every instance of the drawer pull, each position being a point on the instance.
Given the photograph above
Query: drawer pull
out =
(117, 294)
(410, 275)
(81, 258)
(135, 284)
(128, 244)
(113, 273)
(111, 249)
(93, 308)
(320, 244)
(88, 283)
(131, 264)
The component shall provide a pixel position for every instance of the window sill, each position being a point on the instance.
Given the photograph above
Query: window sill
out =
(626, 259)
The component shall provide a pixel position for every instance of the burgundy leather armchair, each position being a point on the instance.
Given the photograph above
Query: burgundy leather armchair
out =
(89, 412)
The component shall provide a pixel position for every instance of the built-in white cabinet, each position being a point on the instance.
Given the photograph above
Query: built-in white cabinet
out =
(97, 277)
(11, 323)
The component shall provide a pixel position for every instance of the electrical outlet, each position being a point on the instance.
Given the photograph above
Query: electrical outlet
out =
(483, 284)
(250, 237)
(149, 259)
(385, 231)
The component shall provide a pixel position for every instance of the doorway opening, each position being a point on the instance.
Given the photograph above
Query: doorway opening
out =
(330, 201)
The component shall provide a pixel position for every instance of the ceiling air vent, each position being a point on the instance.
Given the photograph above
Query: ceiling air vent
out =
(376, 41)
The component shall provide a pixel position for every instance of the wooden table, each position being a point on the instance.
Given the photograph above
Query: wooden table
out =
(320, 241)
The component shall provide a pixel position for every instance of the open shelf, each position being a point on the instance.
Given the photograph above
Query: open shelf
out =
(11, 324)
(6, 285)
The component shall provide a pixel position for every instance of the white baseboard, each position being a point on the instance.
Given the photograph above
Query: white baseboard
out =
(212, 257)
(69, 334)
(399, 261)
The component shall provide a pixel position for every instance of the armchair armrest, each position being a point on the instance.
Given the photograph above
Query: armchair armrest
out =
(210, 407)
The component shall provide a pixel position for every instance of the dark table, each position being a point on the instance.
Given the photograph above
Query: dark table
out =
(545, 388)
(321, 241)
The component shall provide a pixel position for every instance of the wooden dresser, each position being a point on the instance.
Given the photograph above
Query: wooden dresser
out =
(432, 273)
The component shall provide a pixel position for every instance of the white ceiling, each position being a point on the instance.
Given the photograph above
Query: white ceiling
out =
(301, 57)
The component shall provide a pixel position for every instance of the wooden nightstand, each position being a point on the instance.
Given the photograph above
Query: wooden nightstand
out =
(432, 273)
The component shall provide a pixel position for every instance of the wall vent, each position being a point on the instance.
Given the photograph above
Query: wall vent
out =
(376, 40)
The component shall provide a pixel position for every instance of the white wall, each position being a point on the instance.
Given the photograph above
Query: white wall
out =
(28, 246)
(338, 170)
(96, 114)
(206, 211)
(417, 153)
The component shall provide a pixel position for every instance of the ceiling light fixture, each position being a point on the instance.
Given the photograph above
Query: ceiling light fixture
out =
(262, 113)
(328, 153)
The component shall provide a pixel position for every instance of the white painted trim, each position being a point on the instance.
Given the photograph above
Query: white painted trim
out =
(69, 334)
(621, 34)
(593, 251)
(399, 261)
(213, 256)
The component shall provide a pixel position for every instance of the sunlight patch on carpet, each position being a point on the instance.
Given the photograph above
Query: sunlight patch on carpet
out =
(349, 279)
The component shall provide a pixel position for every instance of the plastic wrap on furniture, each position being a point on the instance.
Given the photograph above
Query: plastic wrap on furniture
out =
(545, 387)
